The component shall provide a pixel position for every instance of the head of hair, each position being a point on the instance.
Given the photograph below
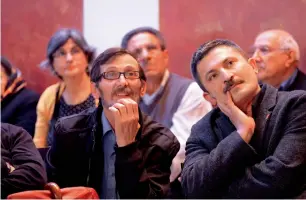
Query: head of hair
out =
(203, 51)
(287, 42)
(59, 39)
(7, 66)
(130, 34)
(106, 57)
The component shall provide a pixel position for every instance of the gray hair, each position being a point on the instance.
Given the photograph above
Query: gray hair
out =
(130, 34)
(288, 42)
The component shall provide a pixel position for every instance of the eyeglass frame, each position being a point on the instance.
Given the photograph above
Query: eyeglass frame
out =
(119, 74)
(265, 50)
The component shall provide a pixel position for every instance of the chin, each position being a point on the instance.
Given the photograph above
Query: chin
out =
(73, 73)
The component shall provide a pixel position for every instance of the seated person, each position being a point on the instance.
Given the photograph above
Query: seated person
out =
(253, 145)
(115, 148)
(170, 99)
(18, 104)
(22, 167)
(278, 57)
(68, 57)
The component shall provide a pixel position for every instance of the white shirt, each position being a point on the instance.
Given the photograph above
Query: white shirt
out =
(191, 109)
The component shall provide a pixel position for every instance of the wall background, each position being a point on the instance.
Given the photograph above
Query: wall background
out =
(26, 26)
(188, 24)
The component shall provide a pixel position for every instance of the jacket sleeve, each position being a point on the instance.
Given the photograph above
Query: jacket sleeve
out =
(148, 180)
(283, 173)
(30, 172)
(207, 174)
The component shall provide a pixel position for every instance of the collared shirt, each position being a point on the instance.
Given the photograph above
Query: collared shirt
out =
(108, 180)
(286, 84)
(191, 109)
(148, 99)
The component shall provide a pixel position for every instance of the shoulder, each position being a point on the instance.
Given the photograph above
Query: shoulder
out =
(47, 98)
(291, 97)
(178, 78)
(204, 127)
(28, 95)
(11, 132)
(76, 122)
(157, 134)
(51, 90)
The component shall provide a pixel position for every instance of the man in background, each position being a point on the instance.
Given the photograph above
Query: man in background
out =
(278, 55)
(170, 99)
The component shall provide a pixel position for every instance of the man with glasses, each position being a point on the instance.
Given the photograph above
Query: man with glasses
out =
(170, 99)
(277, 55)
(115, 148)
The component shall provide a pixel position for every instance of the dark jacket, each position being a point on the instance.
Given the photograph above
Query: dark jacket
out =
(299, 83)
(18, 149)
(142, 169)
(20, 109)
(219, 164)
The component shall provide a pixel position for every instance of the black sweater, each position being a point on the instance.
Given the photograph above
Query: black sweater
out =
(18, 149)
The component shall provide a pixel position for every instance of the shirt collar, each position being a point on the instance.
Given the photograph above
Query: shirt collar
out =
(289, 81)
(105, 124)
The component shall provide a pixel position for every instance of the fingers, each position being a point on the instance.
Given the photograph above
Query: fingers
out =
(131, 105)
(125, 108)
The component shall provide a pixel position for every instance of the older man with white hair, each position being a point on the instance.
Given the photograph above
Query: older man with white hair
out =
(277, 55)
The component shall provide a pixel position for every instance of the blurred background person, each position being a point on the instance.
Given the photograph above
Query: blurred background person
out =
(18, 103)
(170, 99)
(277, 55)
(68, 57)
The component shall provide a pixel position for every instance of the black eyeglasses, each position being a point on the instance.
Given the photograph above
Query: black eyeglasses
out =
(113, 75)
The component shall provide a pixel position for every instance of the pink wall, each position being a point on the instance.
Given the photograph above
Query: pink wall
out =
(26, 27)
(187, 24)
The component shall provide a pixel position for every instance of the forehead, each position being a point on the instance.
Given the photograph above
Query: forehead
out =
(69, 43)
(267, 39)
(216, 57)
(142, 39)
(121, 62)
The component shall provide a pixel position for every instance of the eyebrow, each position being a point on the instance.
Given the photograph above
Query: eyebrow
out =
(112, 67)
(209, 72)
(214, 70)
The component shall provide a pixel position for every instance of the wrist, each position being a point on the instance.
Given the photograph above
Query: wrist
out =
(246, 135)
(122, 143)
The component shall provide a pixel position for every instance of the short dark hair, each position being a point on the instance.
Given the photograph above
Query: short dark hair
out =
(60, 38)
(106, 56)
(156, 33)
(7, 66)
(203, 50)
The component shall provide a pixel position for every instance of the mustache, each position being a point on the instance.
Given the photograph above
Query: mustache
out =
(122, 89)
(230, 83)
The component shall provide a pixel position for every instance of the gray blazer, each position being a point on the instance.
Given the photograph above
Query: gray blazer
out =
(219, 164)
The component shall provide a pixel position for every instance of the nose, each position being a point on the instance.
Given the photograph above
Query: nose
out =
(144, 53)
(69, 57)
(256, 56)
(227, 75)
(122, 80)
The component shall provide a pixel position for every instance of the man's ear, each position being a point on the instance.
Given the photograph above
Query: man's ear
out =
(291, 59)
(143, 88)
(166, 56)
(253, 63)
(210, 99)
(94, 90)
